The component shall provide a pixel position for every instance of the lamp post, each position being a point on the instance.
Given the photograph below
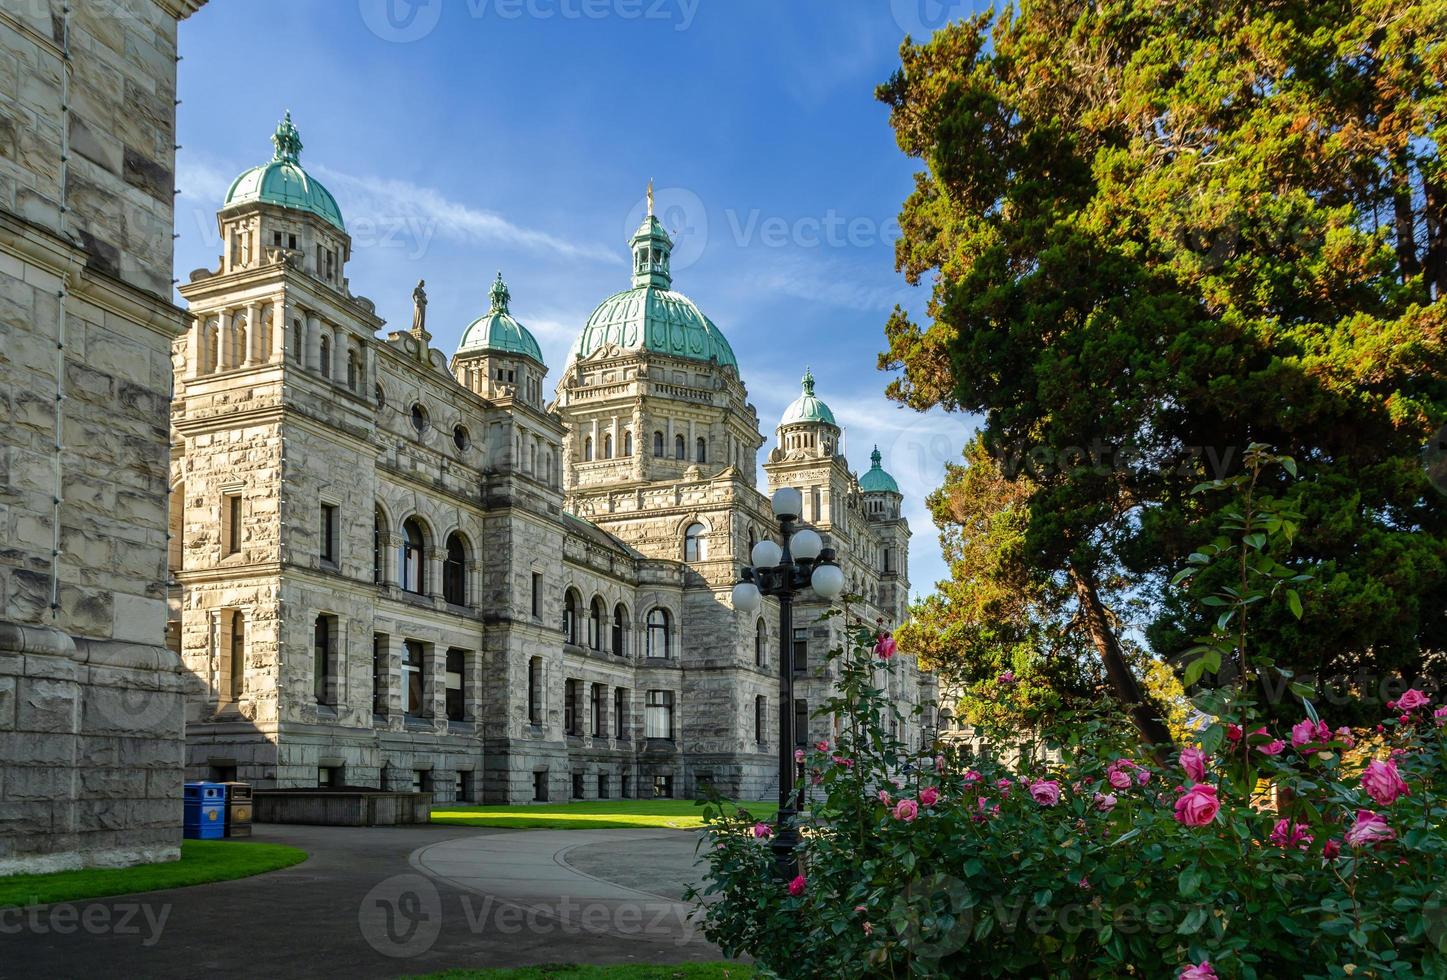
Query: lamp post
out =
(783, 571)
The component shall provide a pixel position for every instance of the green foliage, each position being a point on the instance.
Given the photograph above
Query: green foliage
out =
(1159, 232)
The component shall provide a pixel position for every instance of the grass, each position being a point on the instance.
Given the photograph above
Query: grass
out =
(201, 861)
(587, 815)
(688, 971)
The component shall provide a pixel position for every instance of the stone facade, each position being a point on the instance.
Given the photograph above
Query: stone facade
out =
(91, 699)
(400, 571)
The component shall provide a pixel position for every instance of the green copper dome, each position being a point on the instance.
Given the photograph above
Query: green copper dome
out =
(877, 480)
(650, 316)
(807, 408)
(284, 183)
(496, 329)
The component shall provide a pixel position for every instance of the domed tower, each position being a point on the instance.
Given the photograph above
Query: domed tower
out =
(883, 510)
(808, 425)
(498, 357)
(651, 391)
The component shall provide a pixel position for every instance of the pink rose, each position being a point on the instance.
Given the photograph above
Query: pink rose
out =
(1008, 677)
(940, 763)
(822, 746)
(1046, 792)
(1412, 700)
(1234, 732)
(1344, 735)
(797, 886)
(798, 755)
(906, 810)
(1193, 760)
(1273, 747)
(1370, 828)
(1331, 849)
(1440, 716)
(1289, 834)
(1308, 732)
(971, 776)
(884, 798)
(884, 646)
(929, 796)
(762, 830)
(1202, 971)
(984, 811)
(1383, 783)
(1105, 802)
(1118, 778)
(1198, 806)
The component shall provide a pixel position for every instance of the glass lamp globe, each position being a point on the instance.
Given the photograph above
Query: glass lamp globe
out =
(827, 581)
(747, 598)
(787, 502)
(806, 544)
(766, 554)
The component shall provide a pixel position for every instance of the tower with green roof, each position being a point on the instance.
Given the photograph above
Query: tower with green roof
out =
(498, 357)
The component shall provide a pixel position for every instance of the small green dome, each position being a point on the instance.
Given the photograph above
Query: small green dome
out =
(283, 182)
(496, 330)
(807, 408)
(651, 316)
(877, 480)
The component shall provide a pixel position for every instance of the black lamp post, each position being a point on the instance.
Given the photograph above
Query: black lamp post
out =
(801, 563)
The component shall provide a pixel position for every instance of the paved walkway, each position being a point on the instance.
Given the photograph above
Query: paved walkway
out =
(385, 902)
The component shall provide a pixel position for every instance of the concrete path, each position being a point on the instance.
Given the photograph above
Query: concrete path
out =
(386, 902)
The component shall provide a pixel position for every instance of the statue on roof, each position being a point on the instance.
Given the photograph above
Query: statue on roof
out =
(419, 309)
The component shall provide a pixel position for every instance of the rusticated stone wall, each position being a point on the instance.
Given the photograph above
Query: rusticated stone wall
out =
(91, 699)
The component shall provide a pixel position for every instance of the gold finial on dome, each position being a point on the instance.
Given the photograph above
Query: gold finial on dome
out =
(650, 197)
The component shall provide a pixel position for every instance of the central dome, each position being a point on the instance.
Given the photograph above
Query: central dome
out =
(651, 316)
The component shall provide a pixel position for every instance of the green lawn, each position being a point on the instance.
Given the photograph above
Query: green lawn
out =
(687, 971)
(590, 814)
(201, 861)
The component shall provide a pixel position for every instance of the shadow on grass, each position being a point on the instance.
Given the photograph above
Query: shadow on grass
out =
(588, 815)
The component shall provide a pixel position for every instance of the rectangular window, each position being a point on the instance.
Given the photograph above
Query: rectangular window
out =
(464, 787)
(761, 710)
(328, 532)
(379, 673)
(620, 713)
(602, 786)
(535, 691)
(595, 710)
(801, 722)
(801, 649)
(663, 787)
(570, 708)
(324, 643)
(330, 776)
(231, 523)
(577, 785)
(540, 786)
(291, 242)
(456, 670)
(412, 687)
(276, 238)
(814, 504)
(658, 717)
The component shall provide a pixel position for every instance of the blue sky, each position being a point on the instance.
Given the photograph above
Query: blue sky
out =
(461, 137)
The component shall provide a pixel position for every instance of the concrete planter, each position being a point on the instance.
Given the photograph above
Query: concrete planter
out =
(342, 807)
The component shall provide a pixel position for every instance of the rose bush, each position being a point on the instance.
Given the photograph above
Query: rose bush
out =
(1074, 854)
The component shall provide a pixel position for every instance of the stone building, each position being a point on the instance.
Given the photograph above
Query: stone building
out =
(91, 710)
(394, 569)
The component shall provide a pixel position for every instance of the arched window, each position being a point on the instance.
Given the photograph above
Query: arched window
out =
(588, 449)
(235, 674)
(413, 566)
(298, 341)
(608, 445)
(326, 356)
(627, 444)
(620, 630)
(570, 617)
(761, 644)
(695, 544)
(753, 540)
(378, 523)
(701, 455)
(353, 370)
(595, 624)
(454, 571)
(678, 448)
(238, 339)
(659, 641)
(658, 444)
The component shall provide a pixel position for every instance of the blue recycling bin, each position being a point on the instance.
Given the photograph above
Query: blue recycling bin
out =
(204, 811)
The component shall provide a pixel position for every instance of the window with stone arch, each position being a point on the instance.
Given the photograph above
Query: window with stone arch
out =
(620, 630)
(695, 542)
(658, 444)
(588, 449)
(326, 356)
(454, 570)
(354, 369)
(608, 445)
(660, 628)
(412, 564)
(680, 449)
(571, 603)
(211, 347)
(701, 450)
(627, 444)
(761, 644)
(595, 623)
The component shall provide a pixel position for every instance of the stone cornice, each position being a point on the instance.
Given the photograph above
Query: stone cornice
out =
(181, 9)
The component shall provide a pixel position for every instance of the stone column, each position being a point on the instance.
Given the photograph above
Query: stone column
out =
(434, 683)
(223, 339)
(392, 677)
(313, 343)
(389, 545)
(253, 334)
(433, 557)
(278, 329)
(195, 356)
(474, 583)
(339, 356)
